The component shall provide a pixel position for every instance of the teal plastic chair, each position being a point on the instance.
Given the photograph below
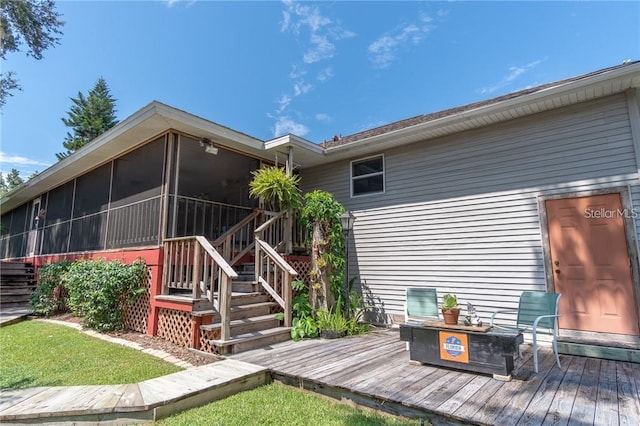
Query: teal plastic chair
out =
(421, 305)
(537, 312)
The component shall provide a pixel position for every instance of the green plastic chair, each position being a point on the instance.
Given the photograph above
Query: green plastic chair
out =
(536, 310)
(421, 305)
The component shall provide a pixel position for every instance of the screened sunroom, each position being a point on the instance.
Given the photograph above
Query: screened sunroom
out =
(174, 185)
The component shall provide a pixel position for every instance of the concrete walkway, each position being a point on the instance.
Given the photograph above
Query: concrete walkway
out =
(128, 403)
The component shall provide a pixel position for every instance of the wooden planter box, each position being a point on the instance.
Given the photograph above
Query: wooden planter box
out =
(462, 347)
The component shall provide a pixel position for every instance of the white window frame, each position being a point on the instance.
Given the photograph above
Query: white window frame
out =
(384, 179)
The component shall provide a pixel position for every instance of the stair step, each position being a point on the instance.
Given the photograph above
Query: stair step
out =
(247, 286)
(245, 342)
(253, 297)
(252, 310)
(247, 325)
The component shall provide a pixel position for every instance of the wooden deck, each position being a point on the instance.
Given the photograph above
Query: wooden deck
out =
(374, 370)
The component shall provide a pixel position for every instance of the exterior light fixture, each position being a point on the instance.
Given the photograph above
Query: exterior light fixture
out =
(208, 146)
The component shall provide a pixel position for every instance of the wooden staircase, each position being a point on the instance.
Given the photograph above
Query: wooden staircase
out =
(232, 287)
(253, 316)
(17, 282)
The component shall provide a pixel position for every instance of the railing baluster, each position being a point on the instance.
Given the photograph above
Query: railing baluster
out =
(195, 283)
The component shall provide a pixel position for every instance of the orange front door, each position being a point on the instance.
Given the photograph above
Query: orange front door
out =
(591, 266)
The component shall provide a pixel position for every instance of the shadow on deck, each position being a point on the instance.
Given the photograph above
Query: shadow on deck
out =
(374, 370)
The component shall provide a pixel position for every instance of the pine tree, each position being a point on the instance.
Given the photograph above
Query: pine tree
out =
(12, 180)
(89, 117)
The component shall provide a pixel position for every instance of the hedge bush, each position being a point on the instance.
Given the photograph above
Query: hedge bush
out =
(50, 297)
(100, 289)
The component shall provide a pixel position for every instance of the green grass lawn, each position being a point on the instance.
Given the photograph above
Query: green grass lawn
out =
(35, 353)
(277, 404)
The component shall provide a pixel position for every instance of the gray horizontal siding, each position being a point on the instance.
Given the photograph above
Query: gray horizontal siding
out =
(460, 213)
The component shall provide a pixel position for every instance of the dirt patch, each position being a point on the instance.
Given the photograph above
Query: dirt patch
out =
(152, 342)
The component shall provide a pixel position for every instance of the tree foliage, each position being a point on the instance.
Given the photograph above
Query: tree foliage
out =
(12, 180)
(34, 23)
(89, 117)
(320, 215)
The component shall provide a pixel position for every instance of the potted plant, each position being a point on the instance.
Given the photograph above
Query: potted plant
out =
(332, 325)
(450, 309)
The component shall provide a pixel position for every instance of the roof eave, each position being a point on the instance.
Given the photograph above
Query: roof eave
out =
(378, 142)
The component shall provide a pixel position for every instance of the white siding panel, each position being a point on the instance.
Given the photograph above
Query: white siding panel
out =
(460, 213)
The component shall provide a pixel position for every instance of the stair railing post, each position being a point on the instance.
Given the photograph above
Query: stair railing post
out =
(166, 267)
(225, 306)
(287, 299)
(197, 273)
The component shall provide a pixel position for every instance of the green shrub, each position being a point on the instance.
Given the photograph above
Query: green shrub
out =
(303, 324)
(100, 289)
(331, 321)
(50, 297)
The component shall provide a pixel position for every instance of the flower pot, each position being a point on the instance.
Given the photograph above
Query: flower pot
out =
(330, 334)
(451, 316)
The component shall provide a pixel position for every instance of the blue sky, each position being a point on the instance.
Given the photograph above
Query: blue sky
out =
(315, 69)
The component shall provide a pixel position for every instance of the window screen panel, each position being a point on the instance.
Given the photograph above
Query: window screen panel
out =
(59, 203)
(17, 245)
(137, 176)
(18, 219)
(92, 192)
(222, 178)
(88, 233)
(55, 238)
(367, 176)
(367, 167)
(135, 225)
(368, 185)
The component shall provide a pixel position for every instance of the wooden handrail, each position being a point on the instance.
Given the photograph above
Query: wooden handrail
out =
(226, 242)
(276, 257)
(206, 245)
(193, 263)
(275, 275)
(269, 222)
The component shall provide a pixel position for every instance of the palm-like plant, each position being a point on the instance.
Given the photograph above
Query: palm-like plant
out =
(276, 188)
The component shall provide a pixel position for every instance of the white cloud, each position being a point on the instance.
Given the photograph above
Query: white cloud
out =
(325, 74)
(297, 72)
(321, 116)
(285, 124)
(318, 35)
(283, 103)
(24, 165)
(383, 50)
(171, 3)
(17, 160)
(513, 74)
(322, 31)
(300, 88)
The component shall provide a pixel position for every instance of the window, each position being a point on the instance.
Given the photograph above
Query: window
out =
(367, 176)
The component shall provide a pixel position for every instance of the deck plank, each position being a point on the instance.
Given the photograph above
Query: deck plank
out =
(607, 398)
(463, 395)
(375, 370)
(559, 411)
(628, 401)
(584, 406)
(469, 410)
(542, 399)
